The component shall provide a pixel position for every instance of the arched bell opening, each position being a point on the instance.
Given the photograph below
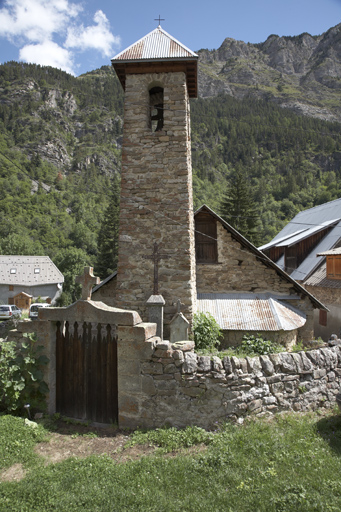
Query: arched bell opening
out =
(156, 109)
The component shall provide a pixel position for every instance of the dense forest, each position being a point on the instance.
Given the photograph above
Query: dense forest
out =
(60, 147)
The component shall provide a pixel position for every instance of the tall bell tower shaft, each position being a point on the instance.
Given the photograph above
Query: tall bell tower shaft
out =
(159, 76)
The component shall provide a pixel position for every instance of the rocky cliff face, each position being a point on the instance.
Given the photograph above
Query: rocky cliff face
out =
(302, 72)
(67, 123)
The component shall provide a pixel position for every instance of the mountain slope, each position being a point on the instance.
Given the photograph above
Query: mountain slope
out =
(302, 73)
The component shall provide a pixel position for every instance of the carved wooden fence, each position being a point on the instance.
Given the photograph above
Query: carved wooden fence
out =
(86, 371)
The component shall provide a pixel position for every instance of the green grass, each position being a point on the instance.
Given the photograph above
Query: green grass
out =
(291, 463)
(17, 441)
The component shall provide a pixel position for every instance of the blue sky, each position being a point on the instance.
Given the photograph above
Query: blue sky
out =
(79, 36)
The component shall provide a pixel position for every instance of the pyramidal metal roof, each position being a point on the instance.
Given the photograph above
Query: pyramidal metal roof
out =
(158, 44)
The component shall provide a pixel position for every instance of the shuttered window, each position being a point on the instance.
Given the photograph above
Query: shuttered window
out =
(206, 238)
(323, 318)
(334, 267)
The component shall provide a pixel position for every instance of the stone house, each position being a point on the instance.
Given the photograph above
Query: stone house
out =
(25, 278)
(307, 249)
(244, 290)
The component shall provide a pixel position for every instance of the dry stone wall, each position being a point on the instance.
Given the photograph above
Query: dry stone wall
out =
(179, 387)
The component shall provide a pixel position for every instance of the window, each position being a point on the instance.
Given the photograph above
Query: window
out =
(11, 288)
(156, 108)
(323, 318)
(334, 266)
(206, 249)
(37, 270)
(13, 271)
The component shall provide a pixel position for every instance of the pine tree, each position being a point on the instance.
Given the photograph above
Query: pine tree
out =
(108, 234)
(240, 210)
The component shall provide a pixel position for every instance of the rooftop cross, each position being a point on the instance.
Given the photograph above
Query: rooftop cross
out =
(156, 257)
(159, 19)
(87, 280)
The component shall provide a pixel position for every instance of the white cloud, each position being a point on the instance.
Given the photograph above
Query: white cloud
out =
(48, 32)
(48, 53)
(35, 20)
(96, 37)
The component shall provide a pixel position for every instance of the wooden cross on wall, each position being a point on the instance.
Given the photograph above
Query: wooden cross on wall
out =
(156, 257)
(87, 280)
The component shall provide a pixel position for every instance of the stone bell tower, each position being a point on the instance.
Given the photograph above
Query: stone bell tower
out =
(158, 75)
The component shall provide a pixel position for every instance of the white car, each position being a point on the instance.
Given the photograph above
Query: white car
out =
(34, 308)
(9, 311)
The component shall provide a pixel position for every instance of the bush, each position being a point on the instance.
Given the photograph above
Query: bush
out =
(256, 346)
(21, 377)
(206, 331)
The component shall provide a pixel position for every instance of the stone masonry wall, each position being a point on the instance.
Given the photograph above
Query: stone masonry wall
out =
(169, 384)
(238, 270)
(178, 387)
(156, 198)
(106, 293)
(330, 297)
(325, 295)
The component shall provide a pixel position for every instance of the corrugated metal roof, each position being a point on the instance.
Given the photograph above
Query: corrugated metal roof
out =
(158, 44)
(250, 312)
(29, 270)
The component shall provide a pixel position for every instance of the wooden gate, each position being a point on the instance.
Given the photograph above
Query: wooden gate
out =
(86, 372)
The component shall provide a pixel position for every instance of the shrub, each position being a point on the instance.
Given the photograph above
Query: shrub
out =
(21, 376)
(256, 345)
(206, 331)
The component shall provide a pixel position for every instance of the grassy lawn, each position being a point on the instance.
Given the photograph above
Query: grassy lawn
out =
(289, 463)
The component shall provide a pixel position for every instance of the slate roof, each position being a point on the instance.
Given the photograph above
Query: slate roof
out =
(305, 224)
(29, 271)
(250, 311)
